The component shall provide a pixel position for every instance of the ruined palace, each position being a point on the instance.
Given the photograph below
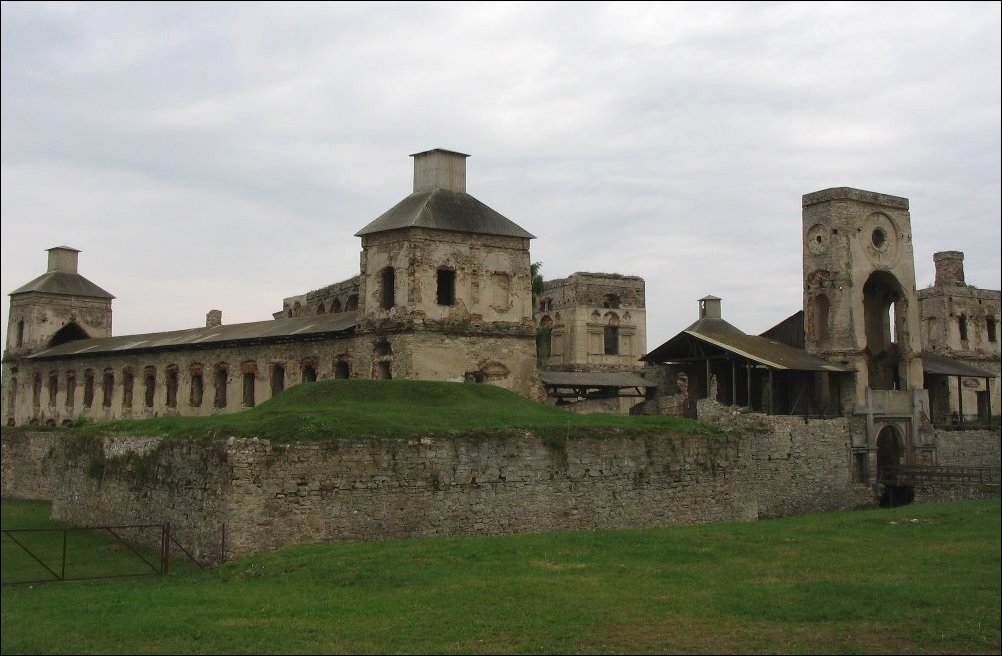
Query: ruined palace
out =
(443, 293)
(857, 349)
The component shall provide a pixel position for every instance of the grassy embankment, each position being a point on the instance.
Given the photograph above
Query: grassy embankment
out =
(915, 579)
(351, 408)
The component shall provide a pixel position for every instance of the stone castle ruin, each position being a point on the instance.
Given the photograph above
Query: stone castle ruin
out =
(870, 377)
(443, 293)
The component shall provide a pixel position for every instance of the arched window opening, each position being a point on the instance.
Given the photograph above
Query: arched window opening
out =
(277, 379)
(382, 348)
(446, 294)
(544, 338)
(611, 334)
(288, 313)
(107, 387)
(822, 317)
(149, 386)
(991, 326)
(383, 371)
(351, 304)
(68, 333)
(36, 390)
(962, 324)
(342, 370)
(335, 306)
(309, 372)
(611, 337)
(128, 381)
(889, 461)
(197, 386)
(172, 377)
(546, 305)
(386, 291)
(249, 389)
(320, 308)
(88, 397)
(53, 387)
(883, 312)
(220, 377)
(71, 388)
(20, 333)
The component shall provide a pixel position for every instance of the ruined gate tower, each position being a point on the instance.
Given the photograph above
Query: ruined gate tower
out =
(861, 312)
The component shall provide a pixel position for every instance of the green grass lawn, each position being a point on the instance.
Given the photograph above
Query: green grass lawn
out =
(914, 579)
(73, 553)
(350, 408)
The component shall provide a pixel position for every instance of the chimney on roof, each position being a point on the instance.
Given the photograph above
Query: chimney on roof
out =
(214, 318)
(440, 169)
(949, 267)
(63, 258)
(709, 307)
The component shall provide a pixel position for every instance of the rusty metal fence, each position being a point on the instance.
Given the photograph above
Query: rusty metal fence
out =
(42, 555)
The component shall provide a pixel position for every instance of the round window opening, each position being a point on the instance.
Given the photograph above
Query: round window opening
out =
(878, 238)
(818, 239)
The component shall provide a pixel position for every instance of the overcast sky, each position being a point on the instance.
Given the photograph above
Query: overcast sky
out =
(223, 155)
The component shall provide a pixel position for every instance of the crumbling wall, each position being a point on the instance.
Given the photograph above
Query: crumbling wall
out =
(125, 481)
(799, 465)
(270, 495)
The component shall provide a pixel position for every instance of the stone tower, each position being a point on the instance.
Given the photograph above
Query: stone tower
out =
(57, 307)
(861, 312)
(445, 284)
(859, 286)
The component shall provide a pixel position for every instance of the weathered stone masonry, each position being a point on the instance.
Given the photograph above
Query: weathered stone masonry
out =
(271, 495)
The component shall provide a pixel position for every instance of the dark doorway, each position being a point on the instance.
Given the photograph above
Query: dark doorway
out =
(888, 465)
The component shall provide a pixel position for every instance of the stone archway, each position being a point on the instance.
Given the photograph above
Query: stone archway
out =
(884, 308)
(889, 461)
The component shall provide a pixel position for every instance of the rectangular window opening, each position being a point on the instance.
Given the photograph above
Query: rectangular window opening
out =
(446, 287)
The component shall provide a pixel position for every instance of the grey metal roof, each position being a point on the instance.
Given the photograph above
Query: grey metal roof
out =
(716, 326)
(62, 282)
(765, 351)
(444, 209)
(275, 329)
(593, 379)
(933, 363)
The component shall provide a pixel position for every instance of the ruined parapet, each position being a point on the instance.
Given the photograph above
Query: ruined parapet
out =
(214, 318)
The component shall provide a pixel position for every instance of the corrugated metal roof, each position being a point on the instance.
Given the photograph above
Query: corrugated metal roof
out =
(715, 326)
(444, 209)
(933, 363)
(758, 349)
(593, 379)
(767, 351)
(274, 329)
(62, 282)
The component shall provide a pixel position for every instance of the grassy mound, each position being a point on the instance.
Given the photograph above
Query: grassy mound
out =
(351, 408)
